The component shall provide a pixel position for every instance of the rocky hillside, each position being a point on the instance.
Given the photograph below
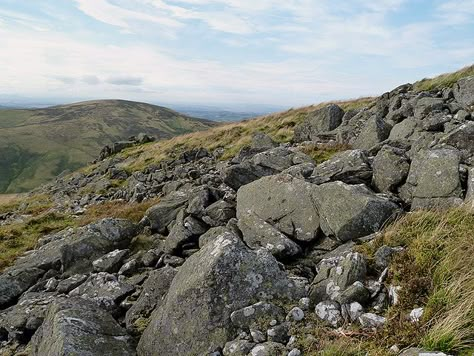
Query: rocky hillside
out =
(351, 235)
(37, 145)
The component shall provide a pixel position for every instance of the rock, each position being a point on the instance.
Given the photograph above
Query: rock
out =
(15, 282)
(351, 312)
(22, 320)
(351, 167)
(163, 213)
(284, 201)
(269, 349)
(319, 121)
(464, 91)
(78, 252)
(68, 284)
(383, 256)
(238, 348)
(336, 274)
(111, 262)
(150, 257)
(391, 169)
(279, 333)
(370, 320)
(295, 314)
(257, 336)
(461, 139)
(416, 314)
(354, 293)
(375, 131)
(434, 179)
(151, 297)
(404, 130)
(258, 233)
(351, 211)
(222, 277)
(78, 327)
(262, 140)
(427, 105)
(219, 213)
(241, 174)
(413, 351)
(304, 303)
(294, 352)
(129, 268)
(257, 314)
(104, 289)
(330, 312)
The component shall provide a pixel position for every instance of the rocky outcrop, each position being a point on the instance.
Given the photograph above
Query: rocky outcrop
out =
(236, 256)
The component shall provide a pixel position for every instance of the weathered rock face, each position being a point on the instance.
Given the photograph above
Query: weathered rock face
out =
(351, 167)
(278, 200)
(14, 283)
(319, 121)
(351, 211)
(222, 277)
(391, 168)
(374, 131)
(78, 327)
(434, 180)
(464, 91)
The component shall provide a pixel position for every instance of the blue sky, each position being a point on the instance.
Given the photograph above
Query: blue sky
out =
(216, 52)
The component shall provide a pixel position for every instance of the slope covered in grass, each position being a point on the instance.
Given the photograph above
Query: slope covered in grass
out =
(36, 145)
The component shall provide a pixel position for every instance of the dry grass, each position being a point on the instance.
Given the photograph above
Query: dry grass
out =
(443, 80)
(231, 137)
(324, 152)
(116, 209)
(435, 271)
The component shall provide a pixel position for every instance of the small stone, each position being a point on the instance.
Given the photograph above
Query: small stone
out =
(129, 268)
(294, 352)
(395, 349)
(416, 314)
(329, 311)
(295, 314)
(257, 336)
(304, 303)
(279, 333)
(370, 320)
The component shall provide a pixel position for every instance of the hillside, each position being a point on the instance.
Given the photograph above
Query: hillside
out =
(337, 229)
(36, 145)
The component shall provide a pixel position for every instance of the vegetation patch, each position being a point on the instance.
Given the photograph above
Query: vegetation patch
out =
(323, 152)
(444, 80)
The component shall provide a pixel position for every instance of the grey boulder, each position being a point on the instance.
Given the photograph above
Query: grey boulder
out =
(319, 121)
(78, 327)
(222, 277)
(464, 91)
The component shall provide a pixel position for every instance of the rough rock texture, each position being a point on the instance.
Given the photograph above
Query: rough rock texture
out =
(464, 91)
(277, 200)
(319, 121)
(222, 277)
(391, 168)
(351, 211)
(78, 327)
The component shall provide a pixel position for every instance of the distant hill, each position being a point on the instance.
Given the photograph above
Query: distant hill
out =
(38, 144)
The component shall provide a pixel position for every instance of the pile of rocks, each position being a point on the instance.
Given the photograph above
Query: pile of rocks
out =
(242, 250)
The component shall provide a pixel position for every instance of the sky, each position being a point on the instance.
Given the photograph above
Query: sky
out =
(284, 53)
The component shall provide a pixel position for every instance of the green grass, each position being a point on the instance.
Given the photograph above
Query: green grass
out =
(444, 80)
(436, 271)
(231, 137)
(36, 145)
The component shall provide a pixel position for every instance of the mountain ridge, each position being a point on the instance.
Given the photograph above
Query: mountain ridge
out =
(38, 144)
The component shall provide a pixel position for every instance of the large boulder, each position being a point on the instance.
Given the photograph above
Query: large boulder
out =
(391, 168)
(351, 167)
(283, 201)
(434, 179)
(426, 105)
(461, 139)
(374, 131)
(163, 213)
(78, 327)
(15, 282)
(319, 121)
(464, 91)
(224, 276)
(351, 211)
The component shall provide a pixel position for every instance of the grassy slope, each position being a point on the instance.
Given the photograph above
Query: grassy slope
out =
(38, 144)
